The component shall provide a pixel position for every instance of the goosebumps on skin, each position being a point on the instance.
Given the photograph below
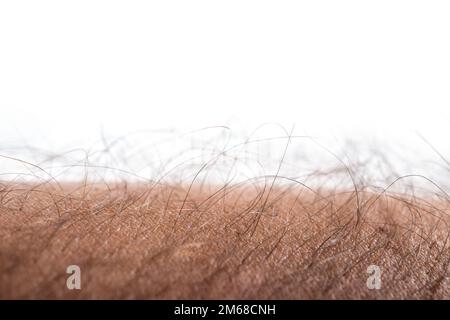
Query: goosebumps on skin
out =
(220, 242)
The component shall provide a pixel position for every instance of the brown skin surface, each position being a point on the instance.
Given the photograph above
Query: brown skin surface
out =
(241, 242)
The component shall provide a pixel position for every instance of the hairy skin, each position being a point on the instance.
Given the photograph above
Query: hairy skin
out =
(233, 242)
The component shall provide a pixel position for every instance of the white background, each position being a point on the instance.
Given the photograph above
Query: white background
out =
(70, 68)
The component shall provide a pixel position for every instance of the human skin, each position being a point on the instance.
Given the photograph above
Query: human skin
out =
(245, 241)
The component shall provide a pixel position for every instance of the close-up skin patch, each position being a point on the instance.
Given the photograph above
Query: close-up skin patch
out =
(233, 242)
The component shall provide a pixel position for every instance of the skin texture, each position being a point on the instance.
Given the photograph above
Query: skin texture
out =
(220, 242)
